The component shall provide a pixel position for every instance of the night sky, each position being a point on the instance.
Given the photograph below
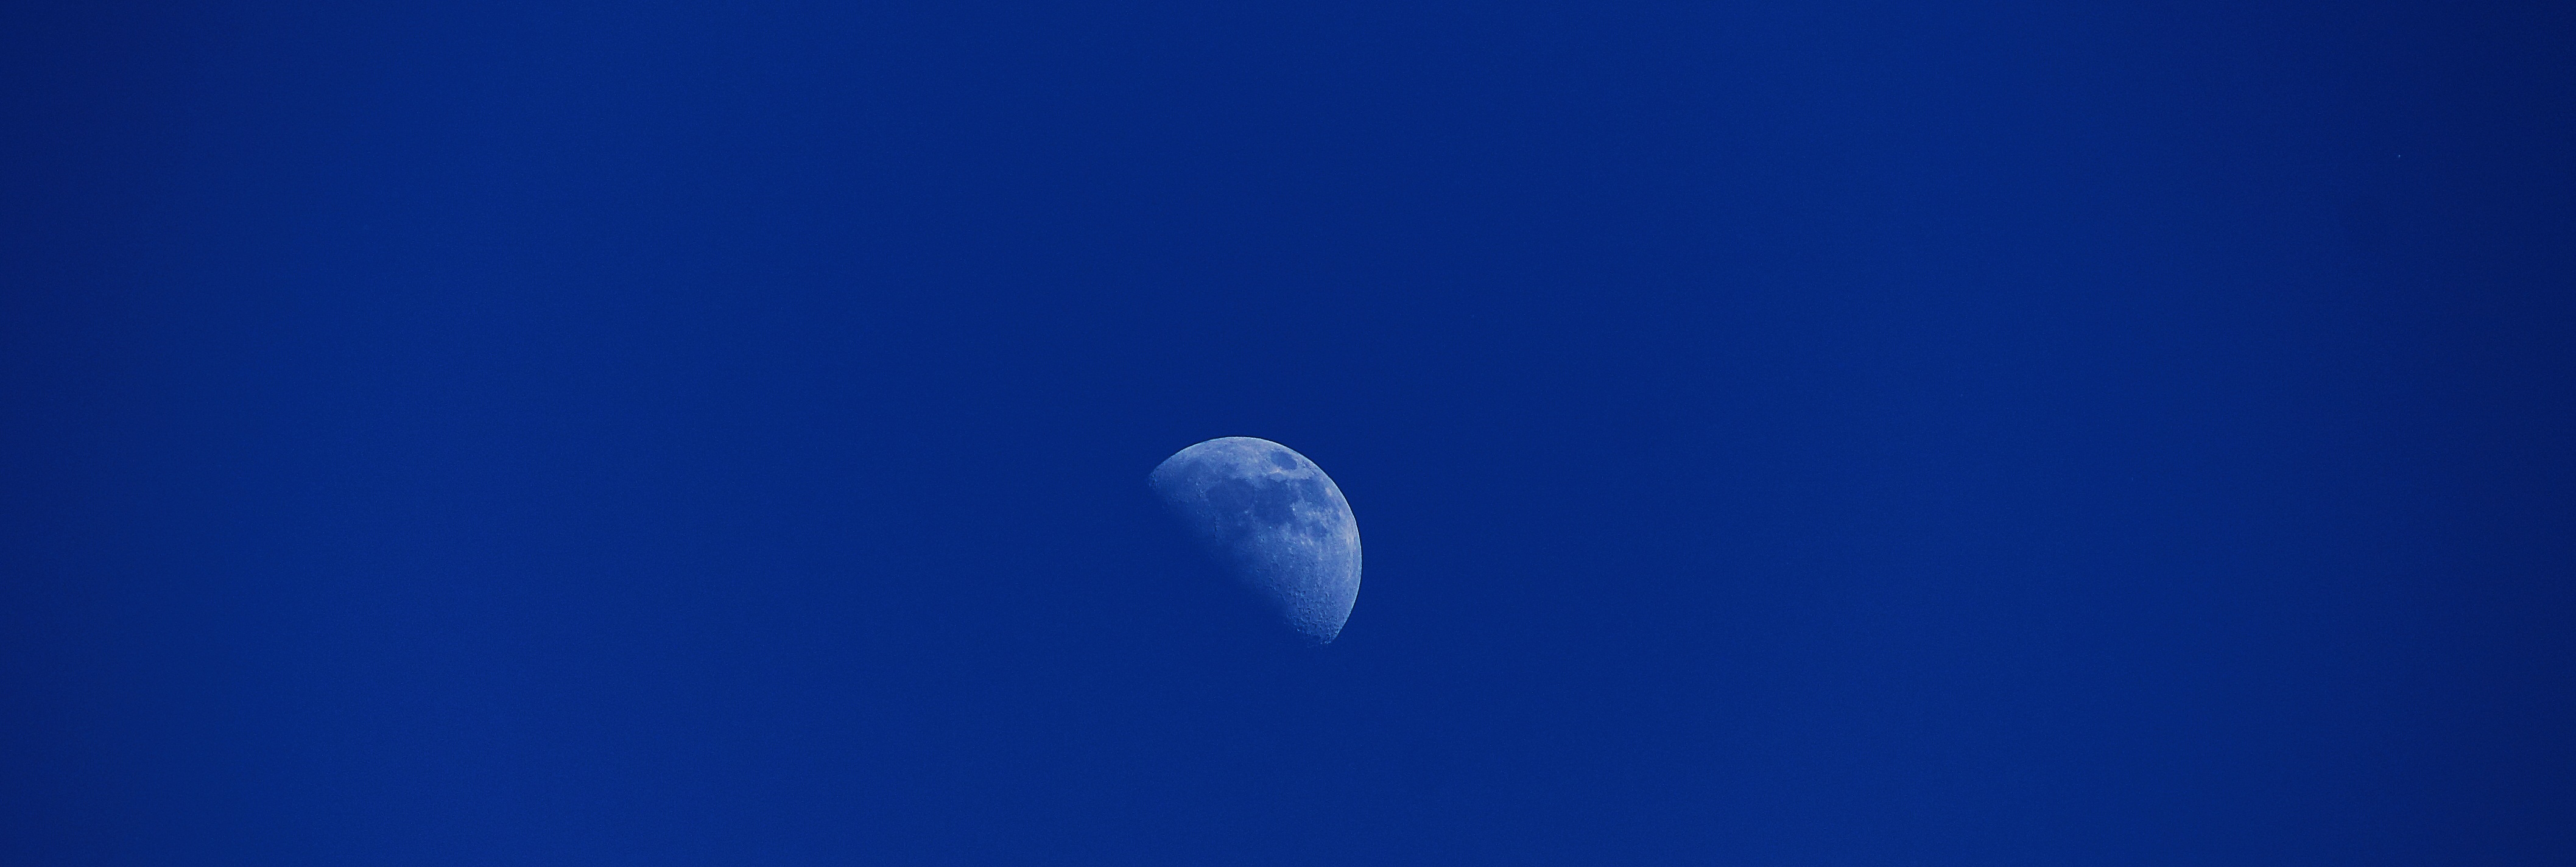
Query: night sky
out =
(1824, 434)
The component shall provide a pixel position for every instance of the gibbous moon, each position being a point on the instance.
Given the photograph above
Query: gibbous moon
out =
(1276, 521)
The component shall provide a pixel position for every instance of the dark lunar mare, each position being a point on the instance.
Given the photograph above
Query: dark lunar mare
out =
(1276, 521)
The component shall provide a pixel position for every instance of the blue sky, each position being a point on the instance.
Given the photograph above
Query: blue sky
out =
(1851, 434)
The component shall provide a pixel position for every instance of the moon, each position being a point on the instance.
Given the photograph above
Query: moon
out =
(1277, 523)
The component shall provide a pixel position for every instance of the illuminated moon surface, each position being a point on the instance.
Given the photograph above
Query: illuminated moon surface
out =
(1278, 524)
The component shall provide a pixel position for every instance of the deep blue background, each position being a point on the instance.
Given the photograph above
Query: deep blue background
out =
(1991, 433)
